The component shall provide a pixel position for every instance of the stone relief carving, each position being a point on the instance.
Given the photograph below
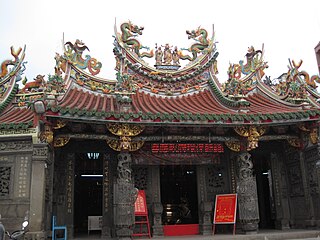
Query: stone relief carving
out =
(293, 170)
(245, 166)
(312, 178)
(5, 173)
(140, 177)
(312, 154)
(249, 209)
(6, 158)
(283, 180)
(247, 193)
(216, 179)
(276, 184)
(124, 168)
(295, 180)
(16, 145)
(40, 151)
(124, 197)
(311, 157)
(18, 131)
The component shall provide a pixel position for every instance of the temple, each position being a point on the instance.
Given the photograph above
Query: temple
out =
(74, 145)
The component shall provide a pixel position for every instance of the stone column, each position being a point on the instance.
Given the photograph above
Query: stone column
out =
(37, 193)
(107, 215)
(280, 192)
(247, 194)
(306, 189)
(157, 207)
(205, 207)
(124, 198)
(317, 164)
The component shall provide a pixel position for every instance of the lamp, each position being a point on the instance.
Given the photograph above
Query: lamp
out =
(39, 107)
(93, 156)
(318, 164)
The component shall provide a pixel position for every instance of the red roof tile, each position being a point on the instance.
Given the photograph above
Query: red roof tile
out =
(17, 115)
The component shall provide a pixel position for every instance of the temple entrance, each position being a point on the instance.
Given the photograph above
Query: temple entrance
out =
(88, 193)
(179, 196)
(265, 192)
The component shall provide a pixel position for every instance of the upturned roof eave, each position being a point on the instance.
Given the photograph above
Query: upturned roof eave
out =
(187, 118)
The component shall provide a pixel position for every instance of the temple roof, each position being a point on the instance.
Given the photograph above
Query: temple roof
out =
(166, 92)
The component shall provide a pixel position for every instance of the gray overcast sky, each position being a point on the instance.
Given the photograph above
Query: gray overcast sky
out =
(288, 29)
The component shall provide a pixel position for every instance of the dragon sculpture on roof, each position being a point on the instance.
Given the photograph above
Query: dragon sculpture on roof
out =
(128, 33)
(200, 35)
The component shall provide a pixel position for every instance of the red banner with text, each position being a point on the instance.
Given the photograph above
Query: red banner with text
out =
(140, 206)
(225, 209)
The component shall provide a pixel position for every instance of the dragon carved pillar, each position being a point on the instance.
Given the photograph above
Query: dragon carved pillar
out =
(124, 197)
(125, 193)
(317, 165)
(247, 194)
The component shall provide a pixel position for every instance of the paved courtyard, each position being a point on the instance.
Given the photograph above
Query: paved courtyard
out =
(262, 235)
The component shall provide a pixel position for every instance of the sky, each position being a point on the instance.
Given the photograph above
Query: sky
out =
(288, 29)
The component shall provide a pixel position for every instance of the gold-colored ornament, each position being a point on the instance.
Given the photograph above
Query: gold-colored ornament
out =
(294, 142)
(253, 133)
(125, 129)
(313, 132)
(125, 132)
(46, 135)
(61, 141)
(233, 145)
(303, 127)
(119, 145)
(243, 131)
(60, 123)
(314, 138)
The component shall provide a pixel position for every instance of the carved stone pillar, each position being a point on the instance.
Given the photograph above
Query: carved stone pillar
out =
(205, 218)
(157, 207)
(247, 194)
(124, 192)
(107, 218)
(124, 197)
(306, 189)
(205, 207)
(37, 193)
(280, 192)
(318, 173)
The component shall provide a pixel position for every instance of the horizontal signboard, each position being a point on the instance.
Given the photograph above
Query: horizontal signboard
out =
(187, 148)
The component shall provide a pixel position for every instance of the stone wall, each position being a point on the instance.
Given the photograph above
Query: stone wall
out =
(15, 177)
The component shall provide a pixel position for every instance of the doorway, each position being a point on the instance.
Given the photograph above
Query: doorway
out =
(88, 192)
(179, 194)
(265, 192)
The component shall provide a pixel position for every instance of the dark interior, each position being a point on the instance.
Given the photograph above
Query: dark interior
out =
(179, 194)
(88, 190)
(264, 188)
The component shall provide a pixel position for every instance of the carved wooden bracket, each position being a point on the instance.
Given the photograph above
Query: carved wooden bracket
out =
(60, 123)
(233, 145)
(125, 129)
(46, 135)
(125, 132)
(295, 142)
(127, 144)
(252, 133)
(61, 141)
(312, 130)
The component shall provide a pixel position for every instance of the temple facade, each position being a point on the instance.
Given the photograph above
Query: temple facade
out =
(74, 145)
